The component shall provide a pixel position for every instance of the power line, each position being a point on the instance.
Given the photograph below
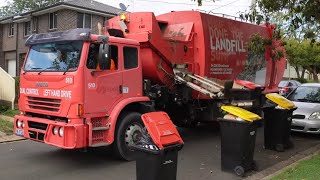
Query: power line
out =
(224, 5)
(159, 1)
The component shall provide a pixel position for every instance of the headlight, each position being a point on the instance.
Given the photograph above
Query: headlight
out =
(19, 124)
(61, 131)
(22, 124)
(315, 116)
(55, 130)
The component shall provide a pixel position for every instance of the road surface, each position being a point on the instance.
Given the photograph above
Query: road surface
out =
(198, 160)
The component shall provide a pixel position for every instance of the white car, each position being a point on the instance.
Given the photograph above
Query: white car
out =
(307, 117)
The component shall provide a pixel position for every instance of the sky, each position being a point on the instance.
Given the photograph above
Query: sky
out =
(229, 7)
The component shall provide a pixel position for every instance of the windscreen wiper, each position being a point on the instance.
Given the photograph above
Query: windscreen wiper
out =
(67, 69)
(32, 69)
(51, 67)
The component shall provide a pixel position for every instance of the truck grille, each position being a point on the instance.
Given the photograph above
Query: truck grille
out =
(36, 125)
(46, 104)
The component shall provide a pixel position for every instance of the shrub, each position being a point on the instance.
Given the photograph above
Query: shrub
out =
(302, 80)
(3, 108)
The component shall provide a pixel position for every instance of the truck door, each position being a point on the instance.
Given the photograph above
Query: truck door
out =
(103, 85)
(132, 72)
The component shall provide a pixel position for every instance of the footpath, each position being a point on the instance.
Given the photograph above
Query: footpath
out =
(8, 138)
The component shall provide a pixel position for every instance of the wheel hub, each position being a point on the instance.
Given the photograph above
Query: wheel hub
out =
(133, 134)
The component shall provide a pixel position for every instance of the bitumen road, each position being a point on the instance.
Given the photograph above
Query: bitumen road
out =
(198, 160)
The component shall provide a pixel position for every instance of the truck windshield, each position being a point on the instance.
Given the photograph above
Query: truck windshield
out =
(56, 56)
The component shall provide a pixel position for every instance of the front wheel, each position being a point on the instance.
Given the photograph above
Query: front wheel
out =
(128, 132)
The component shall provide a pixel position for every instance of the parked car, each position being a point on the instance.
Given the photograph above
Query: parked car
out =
(307, 117)
(286, 86)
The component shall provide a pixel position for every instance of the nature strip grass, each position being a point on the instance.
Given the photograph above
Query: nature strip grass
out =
(6, 127)
(306, 169)
(11, 113)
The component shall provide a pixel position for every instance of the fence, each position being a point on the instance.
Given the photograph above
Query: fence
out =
(7, 88)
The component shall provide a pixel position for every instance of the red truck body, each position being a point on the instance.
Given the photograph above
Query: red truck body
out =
(79, 106)
(212, 46)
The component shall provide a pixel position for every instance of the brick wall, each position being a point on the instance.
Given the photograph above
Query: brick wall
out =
(9, 43)
(94, 22)
(22, 49)
(43, 23)
(67, 19)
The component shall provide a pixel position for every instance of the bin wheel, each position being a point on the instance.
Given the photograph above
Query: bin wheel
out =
(289, 145)
(239, 171)
(255, 166)
(279, 147)
(128, 132)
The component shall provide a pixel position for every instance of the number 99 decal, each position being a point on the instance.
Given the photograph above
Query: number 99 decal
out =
(69, 80)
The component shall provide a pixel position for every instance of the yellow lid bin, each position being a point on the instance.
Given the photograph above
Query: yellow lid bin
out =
(241, 113)
(281, 101)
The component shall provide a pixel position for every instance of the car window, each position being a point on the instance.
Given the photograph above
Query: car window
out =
(283, 83)
(290, 84)
(298, 83)
(306, 94)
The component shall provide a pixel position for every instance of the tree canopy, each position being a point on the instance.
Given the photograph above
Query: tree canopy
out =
(20, 6)
(304, 54)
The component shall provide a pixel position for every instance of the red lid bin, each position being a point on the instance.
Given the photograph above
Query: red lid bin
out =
(161, 129)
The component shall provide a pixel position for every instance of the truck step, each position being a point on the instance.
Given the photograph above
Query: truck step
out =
(100, 144)
(100, 128)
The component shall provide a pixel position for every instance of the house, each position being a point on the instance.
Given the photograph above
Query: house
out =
(68, 14)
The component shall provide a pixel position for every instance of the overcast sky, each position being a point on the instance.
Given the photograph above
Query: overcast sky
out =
(230, 7)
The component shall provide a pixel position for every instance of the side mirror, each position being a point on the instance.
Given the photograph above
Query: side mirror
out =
(104, 56)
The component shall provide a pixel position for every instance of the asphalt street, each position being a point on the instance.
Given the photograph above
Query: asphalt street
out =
(198, 160)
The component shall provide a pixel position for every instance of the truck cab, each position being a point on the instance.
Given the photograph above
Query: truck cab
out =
(70, 84)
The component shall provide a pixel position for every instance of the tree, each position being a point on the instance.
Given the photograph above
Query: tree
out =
(301, 14)
(304, 54)
(20, 6)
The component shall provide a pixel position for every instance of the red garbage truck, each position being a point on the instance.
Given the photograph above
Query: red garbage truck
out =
(79, 89)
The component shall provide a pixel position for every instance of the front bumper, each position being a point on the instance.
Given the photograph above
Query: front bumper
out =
(306, 126)
(41, 130)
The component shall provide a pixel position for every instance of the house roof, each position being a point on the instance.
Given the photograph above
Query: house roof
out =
(87, 6)
(94, 5)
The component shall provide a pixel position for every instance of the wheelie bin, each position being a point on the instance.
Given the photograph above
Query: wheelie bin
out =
(277, 126)
(238, 136)
(157, 152)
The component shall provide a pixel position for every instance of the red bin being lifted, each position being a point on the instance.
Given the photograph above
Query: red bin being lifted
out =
(158, 159)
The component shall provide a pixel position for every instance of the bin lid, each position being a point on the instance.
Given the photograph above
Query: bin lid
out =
(161, 129)
(280, 100)
(248, 84)
(242, 113)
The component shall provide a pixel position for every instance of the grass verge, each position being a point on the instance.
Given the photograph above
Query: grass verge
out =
(11, 113)
(6, 127)
(307, 169)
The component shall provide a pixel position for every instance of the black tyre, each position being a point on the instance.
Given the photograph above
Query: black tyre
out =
(239, 171)
(128, 132)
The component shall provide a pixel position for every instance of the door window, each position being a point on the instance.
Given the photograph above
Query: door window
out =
(130, 57)
(92, 62)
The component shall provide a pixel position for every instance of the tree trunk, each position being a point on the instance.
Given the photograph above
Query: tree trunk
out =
(303, 72)
(315, 75)
(297, 71)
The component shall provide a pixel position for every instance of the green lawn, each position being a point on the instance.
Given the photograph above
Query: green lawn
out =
(6, 127)
(304, 170)
(10, 112)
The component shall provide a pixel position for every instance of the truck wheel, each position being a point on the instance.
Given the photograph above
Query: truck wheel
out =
(128, 132)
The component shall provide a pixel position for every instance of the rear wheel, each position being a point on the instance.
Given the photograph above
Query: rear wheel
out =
(128, 132)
